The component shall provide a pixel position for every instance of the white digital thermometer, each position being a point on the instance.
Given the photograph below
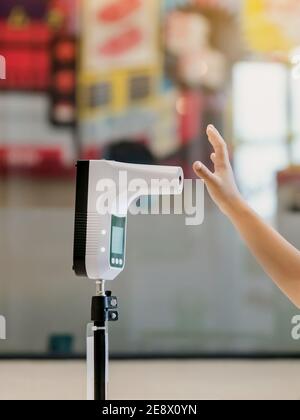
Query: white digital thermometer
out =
(104, 192)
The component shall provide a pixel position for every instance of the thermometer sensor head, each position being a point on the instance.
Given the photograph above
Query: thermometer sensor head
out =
(104, 192)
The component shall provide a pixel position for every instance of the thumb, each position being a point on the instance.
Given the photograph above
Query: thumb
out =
(203, 172)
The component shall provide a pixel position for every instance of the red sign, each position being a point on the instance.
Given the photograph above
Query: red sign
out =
(27, 56)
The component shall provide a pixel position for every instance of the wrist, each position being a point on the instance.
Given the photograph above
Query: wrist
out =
(236, 208)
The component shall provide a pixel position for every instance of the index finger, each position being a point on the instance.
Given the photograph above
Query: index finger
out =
(217, 141)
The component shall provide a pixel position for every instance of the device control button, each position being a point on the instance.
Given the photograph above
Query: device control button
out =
(117, 261)
(113, 261)
(121, 261)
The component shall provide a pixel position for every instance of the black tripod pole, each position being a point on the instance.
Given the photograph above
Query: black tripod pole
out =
(104, 309)
(100, 343)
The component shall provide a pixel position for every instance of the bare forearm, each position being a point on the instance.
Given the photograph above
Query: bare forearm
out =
(280, 259)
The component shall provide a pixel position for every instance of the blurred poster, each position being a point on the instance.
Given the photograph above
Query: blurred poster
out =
(272, 25)
(117, 34)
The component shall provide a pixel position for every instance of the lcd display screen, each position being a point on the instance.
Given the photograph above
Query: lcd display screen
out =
(117, 241)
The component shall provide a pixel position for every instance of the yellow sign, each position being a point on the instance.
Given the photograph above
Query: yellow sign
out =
(112, 92)
(272, 25)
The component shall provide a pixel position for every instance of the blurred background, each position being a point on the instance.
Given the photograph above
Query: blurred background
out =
(138, 81)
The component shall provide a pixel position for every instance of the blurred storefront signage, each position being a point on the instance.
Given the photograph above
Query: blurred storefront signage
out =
(272, 25)
(120, 59)
(24, 40)
(28, 30)
(120, 76)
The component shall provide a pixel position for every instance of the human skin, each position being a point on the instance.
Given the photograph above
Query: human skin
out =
(279, 259)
